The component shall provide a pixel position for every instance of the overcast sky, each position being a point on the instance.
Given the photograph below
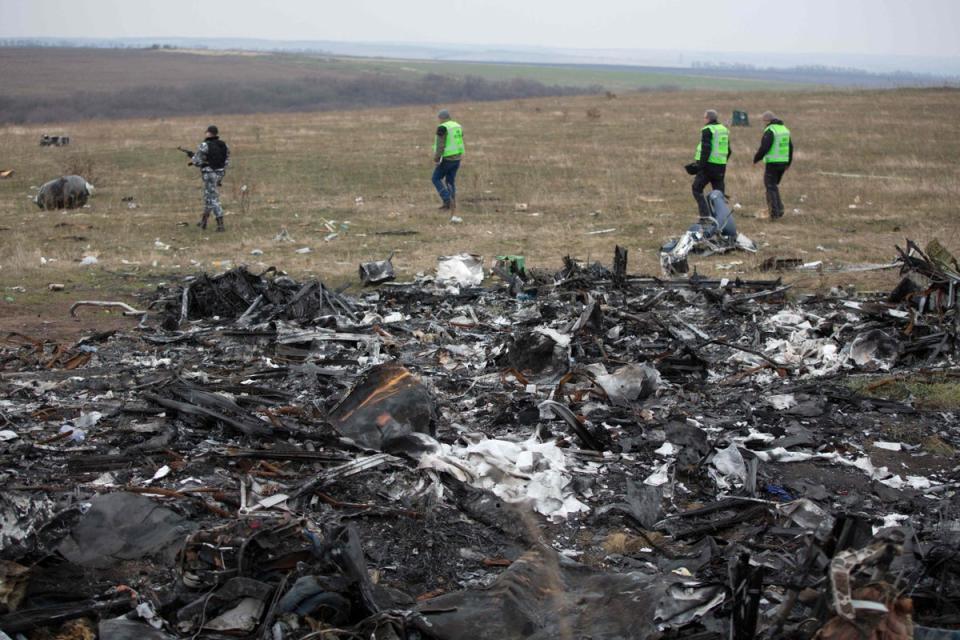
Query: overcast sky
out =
(883, 27)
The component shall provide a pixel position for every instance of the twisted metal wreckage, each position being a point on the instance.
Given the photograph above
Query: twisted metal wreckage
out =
(706, 237)
(570, 455)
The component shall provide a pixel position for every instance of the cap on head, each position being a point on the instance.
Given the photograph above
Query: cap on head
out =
(711, 114)
(212, 129)
(768, 116)
(443, 114)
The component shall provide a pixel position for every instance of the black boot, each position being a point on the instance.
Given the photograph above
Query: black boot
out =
(220, 225)
(203, 221)
(777, 205)
(445, 206)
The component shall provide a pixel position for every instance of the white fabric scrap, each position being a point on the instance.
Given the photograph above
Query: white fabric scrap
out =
(463, 269)
(919, 483)
(88, 420)
(151, 362)
(161, 473)
(891, 520)
(782, 401)
(659, 477)
(729, 463)
(561, 339)
(528, 471)
(627, 383)
(786, 318)
(667, 449)
(888, 446)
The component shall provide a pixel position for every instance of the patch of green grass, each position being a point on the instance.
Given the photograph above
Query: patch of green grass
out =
(933, 391)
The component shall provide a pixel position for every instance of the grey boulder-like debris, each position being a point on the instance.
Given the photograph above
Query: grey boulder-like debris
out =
(65, 192)
(123, 526)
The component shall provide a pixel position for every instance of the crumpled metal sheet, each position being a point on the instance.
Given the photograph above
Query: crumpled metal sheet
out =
(377, 272)
(875, 350)
(388, 403)
(21, 516)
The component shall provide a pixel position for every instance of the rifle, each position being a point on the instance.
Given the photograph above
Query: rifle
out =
(186, 151)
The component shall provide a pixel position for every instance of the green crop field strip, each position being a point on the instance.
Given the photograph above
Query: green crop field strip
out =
(610, 78)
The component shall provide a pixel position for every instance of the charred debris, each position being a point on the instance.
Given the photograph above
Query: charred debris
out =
(583, 454)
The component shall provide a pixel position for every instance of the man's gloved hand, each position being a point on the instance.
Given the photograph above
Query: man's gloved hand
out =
(693, 168)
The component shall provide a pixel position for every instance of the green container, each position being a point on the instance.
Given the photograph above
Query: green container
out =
(518, 264)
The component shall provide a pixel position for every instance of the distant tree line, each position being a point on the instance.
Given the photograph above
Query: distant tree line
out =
(20, 43)
(741, 66)
(307, 94)
(851, 75)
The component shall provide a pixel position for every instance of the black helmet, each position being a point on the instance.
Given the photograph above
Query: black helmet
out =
(213, 129)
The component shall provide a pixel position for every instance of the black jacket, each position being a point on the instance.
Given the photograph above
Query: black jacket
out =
(767, 141)
(706, 145)
(217, 153)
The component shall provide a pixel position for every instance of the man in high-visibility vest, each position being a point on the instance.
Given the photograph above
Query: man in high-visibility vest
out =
(447, 151)
(776, 151)
(710, 162)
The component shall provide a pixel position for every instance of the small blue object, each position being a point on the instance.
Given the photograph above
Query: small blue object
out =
(778, 492)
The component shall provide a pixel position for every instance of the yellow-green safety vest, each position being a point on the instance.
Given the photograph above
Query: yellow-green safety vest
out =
(720, 148)
(453, 144)
(779, 152)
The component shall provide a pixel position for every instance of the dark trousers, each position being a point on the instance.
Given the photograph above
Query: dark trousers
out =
(772, 175)
(711, 174)
(445, 179)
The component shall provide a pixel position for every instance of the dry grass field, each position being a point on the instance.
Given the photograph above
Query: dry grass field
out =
(580, 164)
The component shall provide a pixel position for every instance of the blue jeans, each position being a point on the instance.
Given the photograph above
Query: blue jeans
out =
(444, 179)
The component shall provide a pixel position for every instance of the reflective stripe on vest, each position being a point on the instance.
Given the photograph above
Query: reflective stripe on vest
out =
(720, 147)
(453, 145)
(779, 152)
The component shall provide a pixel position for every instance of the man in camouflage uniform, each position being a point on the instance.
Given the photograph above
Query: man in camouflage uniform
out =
(213, 157)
